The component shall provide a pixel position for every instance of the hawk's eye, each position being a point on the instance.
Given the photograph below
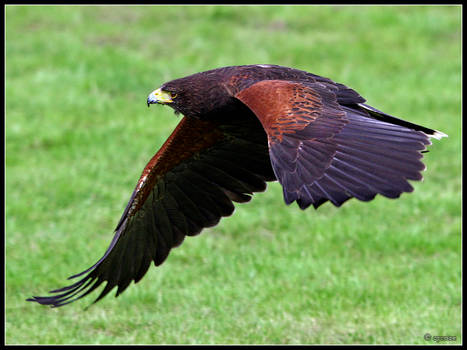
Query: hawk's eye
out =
(173, 94)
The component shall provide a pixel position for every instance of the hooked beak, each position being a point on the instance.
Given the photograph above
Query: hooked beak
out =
(159, 96)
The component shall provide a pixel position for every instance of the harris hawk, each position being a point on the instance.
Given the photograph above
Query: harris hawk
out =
(242, 127)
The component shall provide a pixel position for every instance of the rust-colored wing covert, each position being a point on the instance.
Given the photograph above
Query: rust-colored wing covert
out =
(188, 185)
(322, 150)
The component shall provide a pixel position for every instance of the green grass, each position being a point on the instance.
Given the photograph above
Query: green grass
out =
(78, 134)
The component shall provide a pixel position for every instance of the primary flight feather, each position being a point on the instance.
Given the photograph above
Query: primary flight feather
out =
(244, 126)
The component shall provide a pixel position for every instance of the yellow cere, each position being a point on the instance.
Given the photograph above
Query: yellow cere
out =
(162, 96)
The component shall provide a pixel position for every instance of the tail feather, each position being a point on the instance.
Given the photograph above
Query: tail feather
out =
(377, 114)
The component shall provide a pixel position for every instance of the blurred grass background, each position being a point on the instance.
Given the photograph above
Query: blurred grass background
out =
(78, 134)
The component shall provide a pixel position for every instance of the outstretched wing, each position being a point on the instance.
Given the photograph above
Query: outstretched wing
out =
(327, 147)
(188, 185)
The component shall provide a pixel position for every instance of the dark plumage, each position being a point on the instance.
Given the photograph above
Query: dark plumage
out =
(244, 126)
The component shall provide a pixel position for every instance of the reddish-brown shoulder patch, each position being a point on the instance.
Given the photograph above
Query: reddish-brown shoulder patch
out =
(282, 106)
(189, 137)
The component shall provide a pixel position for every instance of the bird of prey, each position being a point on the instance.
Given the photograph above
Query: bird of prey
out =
(243, 126)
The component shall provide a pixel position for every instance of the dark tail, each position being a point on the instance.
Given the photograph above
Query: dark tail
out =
(377, 114)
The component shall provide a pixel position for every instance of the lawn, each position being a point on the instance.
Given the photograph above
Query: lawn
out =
(78, 134)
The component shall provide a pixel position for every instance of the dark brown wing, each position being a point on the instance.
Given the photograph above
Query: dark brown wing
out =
(188, 185)
(322, 150)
